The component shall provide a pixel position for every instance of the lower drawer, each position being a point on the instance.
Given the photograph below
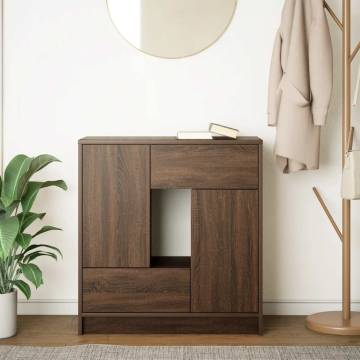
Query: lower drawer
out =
(136, 290)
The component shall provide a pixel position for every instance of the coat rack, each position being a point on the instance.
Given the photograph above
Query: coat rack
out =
(342, 322)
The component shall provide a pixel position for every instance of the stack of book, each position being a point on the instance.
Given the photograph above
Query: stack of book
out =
(216, 131)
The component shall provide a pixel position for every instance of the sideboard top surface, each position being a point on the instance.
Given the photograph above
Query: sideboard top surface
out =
(165, 140)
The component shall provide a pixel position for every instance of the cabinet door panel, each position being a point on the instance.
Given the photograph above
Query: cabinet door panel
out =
(116, 206)
(224, 257)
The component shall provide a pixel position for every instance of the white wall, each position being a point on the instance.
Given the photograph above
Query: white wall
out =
(69, 74)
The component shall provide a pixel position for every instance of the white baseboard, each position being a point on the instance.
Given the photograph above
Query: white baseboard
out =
(271, 307)
(48, 307)
(304, 307)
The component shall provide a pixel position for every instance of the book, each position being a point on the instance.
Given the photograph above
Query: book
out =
(194, 135)
(223, 130)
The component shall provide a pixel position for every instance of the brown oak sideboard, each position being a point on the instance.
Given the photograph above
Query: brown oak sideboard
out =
(122, 287)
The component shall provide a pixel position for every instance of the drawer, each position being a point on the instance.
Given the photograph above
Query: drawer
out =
(136, 290)
(205, 166)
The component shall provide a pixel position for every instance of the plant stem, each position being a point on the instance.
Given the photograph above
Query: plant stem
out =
(2, 282)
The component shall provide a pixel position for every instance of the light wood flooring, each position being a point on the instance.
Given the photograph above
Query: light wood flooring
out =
(62, 330)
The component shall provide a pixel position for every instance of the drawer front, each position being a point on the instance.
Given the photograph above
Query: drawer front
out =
(205, 166)
(136, 290)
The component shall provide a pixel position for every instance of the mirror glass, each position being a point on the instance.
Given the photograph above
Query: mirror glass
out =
(171, 28)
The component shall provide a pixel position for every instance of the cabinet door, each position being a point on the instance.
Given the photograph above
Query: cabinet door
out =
(224, 257)
(116, 206)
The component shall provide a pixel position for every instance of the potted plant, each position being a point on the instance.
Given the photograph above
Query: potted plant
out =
(18, 253)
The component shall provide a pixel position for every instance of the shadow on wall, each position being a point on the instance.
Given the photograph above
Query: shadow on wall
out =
(271, 263)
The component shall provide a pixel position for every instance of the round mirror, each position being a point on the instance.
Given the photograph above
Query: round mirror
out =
(171, 28)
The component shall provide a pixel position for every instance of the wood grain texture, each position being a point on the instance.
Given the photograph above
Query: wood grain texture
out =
(171, 325)
(225, 254)
(62, 331)
(80, 243)
(260, 225)
(169, 140)
(116, 206)
(204, 166)
(136, 290)
(169, 314)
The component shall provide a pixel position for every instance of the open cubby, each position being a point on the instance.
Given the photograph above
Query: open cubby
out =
(170, 228)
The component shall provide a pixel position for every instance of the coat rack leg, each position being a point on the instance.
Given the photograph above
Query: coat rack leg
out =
(356, 50)
(327, 212)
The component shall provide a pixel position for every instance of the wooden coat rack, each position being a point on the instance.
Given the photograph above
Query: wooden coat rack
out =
(342, 322)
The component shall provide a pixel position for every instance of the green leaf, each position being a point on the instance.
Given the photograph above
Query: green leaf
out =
(15, 179)
(18, 172)
(58, 183)
(33, 189)
(27, 219)
(36, 246)
(32, 273)
(29, 197)
(24, 240)
(6, 212)
(9, 228)
(23, 287)
(46, 229)
(2, 209)
(32, 256)
(10, 209)
(39, 162)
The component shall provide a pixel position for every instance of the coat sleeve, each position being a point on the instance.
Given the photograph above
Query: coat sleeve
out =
(320, 66)
(276, 74)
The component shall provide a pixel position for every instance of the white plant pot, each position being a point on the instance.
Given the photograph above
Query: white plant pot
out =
(8, 313)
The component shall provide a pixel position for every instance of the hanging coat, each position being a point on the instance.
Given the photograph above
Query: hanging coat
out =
(300, 84)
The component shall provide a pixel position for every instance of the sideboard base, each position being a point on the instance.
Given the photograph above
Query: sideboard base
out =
(170, 325)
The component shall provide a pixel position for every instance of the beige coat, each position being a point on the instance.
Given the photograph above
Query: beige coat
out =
(300, 84)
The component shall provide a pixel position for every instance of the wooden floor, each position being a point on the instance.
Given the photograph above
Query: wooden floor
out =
(62, 330)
